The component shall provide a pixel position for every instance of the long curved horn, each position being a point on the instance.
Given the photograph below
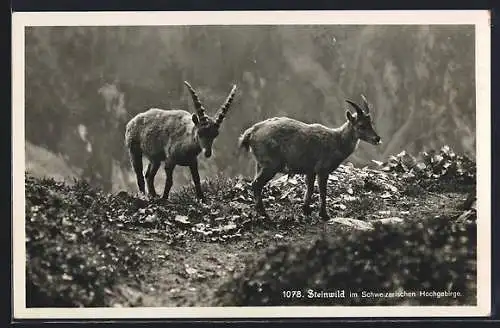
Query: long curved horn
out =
(225, 107)
(359, 111)
(366, 106)
(200, 110)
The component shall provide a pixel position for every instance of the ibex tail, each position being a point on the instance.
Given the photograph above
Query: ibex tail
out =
(244, 140)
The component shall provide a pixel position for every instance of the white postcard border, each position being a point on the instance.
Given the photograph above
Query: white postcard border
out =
(479, 18)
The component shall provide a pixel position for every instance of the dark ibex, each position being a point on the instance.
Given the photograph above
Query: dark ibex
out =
(175, 137)
(282, 144)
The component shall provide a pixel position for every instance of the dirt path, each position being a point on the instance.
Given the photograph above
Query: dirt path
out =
(187, 274)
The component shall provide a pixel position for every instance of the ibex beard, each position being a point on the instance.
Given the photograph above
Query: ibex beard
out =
(175, 137)
(286, 145)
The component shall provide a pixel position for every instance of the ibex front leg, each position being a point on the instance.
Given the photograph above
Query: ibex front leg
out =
(169, 171)
(196, 180)
(322, 182)
(310, 178)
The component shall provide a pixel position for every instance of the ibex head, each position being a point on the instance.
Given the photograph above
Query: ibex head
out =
(208, 127)
(362, 122)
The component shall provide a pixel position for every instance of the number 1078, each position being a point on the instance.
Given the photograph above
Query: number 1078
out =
(292, 294)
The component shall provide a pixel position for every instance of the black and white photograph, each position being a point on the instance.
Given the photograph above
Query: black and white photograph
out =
(244, 164)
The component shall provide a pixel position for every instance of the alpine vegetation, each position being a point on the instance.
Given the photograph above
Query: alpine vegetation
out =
(285, 145)
(174, 137)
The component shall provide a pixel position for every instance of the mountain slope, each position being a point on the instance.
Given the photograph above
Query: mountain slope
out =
(394, 228)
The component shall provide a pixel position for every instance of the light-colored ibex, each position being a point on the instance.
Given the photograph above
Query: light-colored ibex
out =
(175, 137)
(285, 145)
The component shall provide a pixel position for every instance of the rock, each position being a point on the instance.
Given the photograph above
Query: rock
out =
(356, 224)
(391, 220)
(182, 219)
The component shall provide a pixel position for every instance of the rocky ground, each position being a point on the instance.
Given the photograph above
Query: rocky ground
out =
(404, 225)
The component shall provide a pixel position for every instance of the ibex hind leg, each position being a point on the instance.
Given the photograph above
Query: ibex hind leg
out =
(151, 171)
(263, 176)
(136, 159)
(257, 168)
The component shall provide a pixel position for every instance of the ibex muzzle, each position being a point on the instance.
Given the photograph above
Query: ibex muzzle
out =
(282, 144)
(174, 137)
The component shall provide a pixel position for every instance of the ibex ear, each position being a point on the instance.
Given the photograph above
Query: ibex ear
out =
(195, 119)
(349, 116)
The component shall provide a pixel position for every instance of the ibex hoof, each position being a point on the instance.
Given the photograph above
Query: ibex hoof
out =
(307, 210)
(265, 216)
(261, 211)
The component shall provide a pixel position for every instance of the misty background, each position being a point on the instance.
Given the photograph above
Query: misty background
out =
(84, 83)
